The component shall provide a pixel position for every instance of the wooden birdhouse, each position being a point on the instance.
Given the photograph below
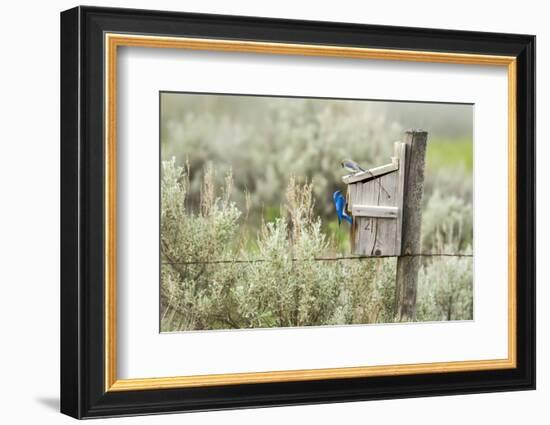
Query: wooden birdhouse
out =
(381, 198)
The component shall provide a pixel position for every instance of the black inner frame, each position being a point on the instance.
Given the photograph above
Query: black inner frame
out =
(82, 212)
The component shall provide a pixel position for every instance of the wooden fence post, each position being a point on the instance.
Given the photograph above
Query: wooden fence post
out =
(408, 266)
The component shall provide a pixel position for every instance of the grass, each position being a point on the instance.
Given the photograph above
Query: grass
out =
(450, 154)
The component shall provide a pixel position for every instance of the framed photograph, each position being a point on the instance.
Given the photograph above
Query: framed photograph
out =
(261, 212)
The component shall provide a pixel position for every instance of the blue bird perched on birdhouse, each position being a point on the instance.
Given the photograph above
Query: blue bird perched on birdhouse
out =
(351, 165)
(340, 204)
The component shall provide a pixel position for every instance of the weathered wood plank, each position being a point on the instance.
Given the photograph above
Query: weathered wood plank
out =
(374, 211)
(387, 227)
(350, 198)
(407, 265)
(370, 173)
(400, 152)
(365, 236)
(375, 234)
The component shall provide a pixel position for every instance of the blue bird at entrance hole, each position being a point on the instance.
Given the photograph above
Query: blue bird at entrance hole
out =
(340, 204)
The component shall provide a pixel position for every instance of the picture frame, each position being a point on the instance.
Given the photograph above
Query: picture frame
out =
(91, 38)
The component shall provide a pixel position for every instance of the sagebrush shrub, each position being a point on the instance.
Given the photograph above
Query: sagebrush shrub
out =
(213, 277)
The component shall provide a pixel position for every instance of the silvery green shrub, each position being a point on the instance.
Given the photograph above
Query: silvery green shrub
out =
(216, 276)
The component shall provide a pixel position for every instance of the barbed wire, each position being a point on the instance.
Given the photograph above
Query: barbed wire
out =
(342, 258)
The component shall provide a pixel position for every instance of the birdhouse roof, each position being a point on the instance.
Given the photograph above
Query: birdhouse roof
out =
(372, 173)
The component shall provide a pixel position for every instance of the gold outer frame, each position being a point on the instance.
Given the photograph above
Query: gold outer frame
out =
(113, 41)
